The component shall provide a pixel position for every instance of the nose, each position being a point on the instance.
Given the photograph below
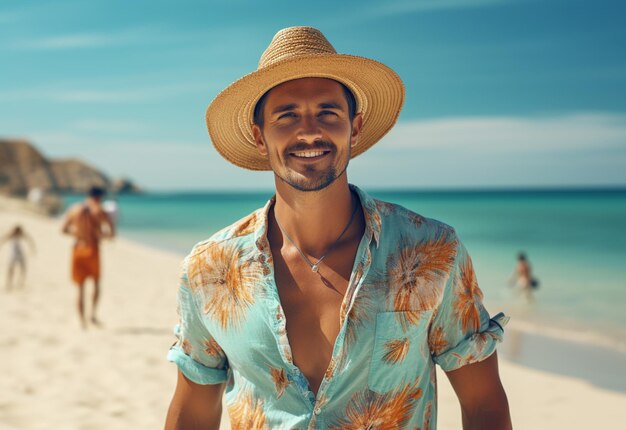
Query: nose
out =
(309, 131)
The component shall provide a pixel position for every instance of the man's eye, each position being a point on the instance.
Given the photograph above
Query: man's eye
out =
(327, 113)
(287, 115)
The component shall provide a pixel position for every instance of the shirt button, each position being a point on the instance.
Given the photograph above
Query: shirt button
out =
(317, 411)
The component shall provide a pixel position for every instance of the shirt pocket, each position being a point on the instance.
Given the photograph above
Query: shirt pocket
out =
(400, 349)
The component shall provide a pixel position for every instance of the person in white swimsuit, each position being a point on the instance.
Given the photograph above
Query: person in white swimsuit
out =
(17, 256)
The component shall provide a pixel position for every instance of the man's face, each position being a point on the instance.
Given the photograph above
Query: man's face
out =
(307, 133)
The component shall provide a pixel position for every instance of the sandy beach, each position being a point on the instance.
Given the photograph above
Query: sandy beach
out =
(57, 376)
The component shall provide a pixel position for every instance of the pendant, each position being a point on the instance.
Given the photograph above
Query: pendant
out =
(314, 268)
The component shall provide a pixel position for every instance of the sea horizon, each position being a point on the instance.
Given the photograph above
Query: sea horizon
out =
(540, 189)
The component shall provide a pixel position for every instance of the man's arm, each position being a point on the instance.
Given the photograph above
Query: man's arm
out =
(195, 406)
(106, 219)
(483, 401)
(69, 220)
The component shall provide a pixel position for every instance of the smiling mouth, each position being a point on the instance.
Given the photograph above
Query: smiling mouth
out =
(308, 154)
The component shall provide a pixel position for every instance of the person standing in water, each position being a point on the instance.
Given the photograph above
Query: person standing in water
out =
(17, 257)
(522, 277)
(88, 223)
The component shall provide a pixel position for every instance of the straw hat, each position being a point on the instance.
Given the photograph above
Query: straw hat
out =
(300, 52)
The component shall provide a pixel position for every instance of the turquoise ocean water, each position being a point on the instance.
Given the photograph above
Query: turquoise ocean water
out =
(575, 240)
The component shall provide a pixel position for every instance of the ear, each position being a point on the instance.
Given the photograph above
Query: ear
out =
(257, 133)
(357, 123)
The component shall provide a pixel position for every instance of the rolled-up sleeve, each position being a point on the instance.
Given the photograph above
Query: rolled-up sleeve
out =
(462, 332)
(196, 353)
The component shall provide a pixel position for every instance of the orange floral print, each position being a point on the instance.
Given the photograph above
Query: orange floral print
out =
(212, 347)
(396, 350)
(385, 208)
(247, 225)
(464, 360)
(416, 219)
(246, 413)
(437, 341)
(482, 339)
(231, 283)
(413, 273)
(280, 380)
(369, 410)
(468, 298)
(428, 411)
(186, 346)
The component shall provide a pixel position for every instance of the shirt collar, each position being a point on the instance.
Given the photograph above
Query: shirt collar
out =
(373, 223)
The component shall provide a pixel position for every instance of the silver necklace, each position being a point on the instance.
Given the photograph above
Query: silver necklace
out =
(315, 266)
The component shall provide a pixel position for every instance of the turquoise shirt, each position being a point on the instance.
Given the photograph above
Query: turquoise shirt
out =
(412, 302)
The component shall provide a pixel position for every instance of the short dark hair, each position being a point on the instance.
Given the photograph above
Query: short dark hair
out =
(257, 117)
(96, 191)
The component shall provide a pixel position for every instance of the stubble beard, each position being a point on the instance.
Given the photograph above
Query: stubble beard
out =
(309, 184)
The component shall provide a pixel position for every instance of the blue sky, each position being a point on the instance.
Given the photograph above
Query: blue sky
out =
(499, 92)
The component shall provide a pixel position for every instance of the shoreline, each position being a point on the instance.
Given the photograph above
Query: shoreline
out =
(601, 367)
(559, 340)
(117, 377)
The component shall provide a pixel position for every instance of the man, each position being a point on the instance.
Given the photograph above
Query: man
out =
(88, 223)
(326, 308)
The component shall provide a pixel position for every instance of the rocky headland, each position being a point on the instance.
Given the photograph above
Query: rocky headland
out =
(25, 173)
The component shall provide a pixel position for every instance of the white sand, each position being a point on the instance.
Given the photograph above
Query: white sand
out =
(56, 376)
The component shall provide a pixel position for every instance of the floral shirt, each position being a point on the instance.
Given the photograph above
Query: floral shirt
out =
(412, 302)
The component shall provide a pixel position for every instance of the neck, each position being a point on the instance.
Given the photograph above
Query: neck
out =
(315, 219)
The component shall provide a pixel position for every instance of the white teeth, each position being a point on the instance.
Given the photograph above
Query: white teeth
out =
(308, 154)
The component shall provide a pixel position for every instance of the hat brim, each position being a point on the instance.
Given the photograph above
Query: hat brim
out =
(378, 91)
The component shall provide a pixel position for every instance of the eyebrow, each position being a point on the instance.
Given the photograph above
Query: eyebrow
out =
(331, 105)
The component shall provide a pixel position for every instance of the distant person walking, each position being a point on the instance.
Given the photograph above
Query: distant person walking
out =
(17, 256)
(522, 277)
(88, 223)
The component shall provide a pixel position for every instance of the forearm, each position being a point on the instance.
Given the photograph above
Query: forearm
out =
(194, 406)
(67, 229)
(487, 419)
(181, 418)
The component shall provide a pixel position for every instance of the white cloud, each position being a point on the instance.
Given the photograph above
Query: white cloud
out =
(85, 40)
(109, 126)
(511, 134)
(409, 6)
(104, 95)
(71, 96)
(575, 149)
(63, 42)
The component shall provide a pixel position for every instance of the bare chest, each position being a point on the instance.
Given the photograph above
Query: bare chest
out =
(311, 303)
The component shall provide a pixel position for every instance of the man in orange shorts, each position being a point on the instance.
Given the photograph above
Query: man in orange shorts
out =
(88, 223)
